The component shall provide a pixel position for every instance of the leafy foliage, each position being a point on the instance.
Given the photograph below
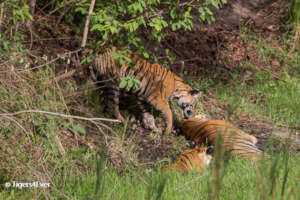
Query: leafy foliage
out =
(295, 17)
(16, 12)
(130, 82)
(125, 22)
(19, 10)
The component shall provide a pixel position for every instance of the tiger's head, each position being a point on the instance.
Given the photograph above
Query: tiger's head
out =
(205, 154)
(195, 159)
(187, 100)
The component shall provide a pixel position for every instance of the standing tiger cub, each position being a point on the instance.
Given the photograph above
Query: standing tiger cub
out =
(158, 84)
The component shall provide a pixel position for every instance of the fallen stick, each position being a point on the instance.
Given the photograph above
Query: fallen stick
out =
(60, 115)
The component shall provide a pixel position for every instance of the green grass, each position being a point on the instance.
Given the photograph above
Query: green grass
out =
(241, 180)
(275, 98)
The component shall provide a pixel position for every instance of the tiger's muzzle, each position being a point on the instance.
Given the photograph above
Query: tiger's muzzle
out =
(188, 112)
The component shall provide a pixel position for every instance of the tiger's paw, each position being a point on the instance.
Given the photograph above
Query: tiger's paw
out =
(149, 122)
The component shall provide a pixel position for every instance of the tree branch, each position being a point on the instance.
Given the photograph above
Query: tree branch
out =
(87, 22)
(60, 115)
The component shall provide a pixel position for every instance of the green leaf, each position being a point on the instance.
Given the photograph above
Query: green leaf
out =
(66, 125)
(130, 84)
(208, 11)
(145, 54)
(78, 129)
(173, 14)
(105, 35)
(113, 30)
(123, 83)
(128, 60)
(6, 45)
(167, 52)
(135, 25)
(142, 21)
(137, 83)
(187, 13)
(114, 54)
(215, 4)
(164, 23)
(98, 27)
(174, 27)
(81, 10)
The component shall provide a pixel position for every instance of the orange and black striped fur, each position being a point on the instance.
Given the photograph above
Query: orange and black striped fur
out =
(158, 84)
(234, 140)
(192, 159)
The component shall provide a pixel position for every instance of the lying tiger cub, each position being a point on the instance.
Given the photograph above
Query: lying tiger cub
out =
(192, 159)
(234, 140)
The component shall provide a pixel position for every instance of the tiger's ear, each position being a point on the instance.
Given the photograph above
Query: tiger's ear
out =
(194, 92)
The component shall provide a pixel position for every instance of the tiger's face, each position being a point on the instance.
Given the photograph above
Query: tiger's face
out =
(205, 154)
(187, 100)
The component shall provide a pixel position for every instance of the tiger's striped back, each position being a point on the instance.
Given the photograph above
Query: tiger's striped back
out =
(234, 140)
(192, 159)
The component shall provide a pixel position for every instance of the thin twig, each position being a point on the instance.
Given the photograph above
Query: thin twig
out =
(59, 144)
(65, 75)
(290, 127)
(100, 129)
(18, 124)
(87, 23)
(49, 39)
(60, 115)
(1, 15)
(51, 61)
(56, 9)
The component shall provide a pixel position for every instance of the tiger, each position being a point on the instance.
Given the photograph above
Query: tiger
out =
(234, 140)
(158, 85)
(195, 159)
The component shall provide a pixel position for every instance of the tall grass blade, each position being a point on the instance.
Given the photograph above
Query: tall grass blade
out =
(274, 174)
(218, 167)
(285, 172)
(161, 187)
(156, 188)
(295, 16)
(100, 181)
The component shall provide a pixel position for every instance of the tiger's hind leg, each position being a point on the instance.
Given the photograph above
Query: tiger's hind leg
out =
(112, 96)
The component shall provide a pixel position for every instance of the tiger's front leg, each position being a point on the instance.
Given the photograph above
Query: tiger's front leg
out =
(149, 122)
(163, 107)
